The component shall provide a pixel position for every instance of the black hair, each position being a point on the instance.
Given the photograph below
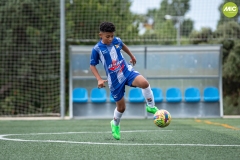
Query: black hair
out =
(107, 27)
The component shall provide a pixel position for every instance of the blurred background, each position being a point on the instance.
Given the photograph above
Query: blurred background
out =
(30, 43)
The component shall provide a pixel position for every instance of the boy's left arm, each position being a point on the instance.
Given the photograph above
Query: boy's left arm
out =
(126, 49)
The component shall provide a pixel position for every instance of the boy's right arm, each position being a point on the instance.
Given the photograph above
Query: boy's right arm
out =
(98, 77)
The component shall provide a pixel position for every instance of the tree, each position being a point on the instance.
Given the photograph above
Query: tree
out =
(161, 26)
(228, 35)
(29, 36)
(202, 36)
(86, 16)
(187, 27)
(228, 30)
(231, 80)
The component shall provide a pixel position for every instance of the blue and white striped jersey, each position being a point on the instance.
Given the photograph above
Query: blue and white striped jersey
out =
(116, 67)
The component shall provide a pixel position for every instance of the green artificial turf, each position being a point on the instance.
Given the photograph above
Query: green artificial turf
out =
(183, 139)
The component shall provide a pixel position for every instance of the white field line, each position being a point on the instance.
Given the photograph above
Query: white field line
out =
(3, 137)
(85, 132)
(67, 118)
(231, 116)
(32, 118)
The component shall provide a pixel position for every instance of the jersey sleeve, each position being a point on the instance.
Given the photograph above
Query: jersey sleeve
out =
(119, 42)
(94, 58)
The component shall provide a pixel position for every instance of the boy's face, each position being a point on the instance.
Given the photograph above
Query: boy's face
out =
(107, 37)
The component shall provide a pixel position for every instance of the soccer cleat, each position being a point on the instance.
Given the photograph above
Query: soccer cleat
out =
(115, 130)
(152, 110)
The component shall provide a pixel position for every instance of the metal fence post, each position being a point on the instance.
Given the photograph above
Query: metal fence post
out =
(62, 58)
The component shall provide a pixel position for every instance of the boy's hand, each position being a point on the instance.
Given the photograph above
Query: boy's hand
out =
(101, 83)
(133, 60)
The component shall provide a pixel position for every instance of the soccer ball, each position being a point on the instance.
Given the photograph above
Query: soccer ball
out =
(162, 118)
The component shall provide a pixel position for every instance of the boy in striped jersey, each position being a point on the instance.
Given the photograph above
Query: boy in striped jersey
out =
(119, 73)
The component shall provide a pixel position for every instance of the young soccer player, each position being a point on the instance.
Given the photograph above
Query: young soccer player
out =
(119, 73)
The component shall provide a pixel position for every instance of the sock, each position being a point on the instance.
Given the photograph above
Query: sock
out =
(148, 94)
(117, 117)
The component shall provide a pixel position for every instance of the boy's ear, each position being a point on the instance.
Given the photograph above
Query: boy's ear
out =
(100, 34)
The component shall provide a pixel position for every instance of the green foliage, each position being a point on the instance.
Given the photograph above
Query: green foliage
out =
(187, 27)
(29, 62)
(231, 104)
(231, 61)
(28, 26)
(86, 15)
(173, 8)
(227, 45)
(30, 42)
(228, 30)
(201, 37)
(227, 34)
(166, 34)
(231, 71)
(165, 31)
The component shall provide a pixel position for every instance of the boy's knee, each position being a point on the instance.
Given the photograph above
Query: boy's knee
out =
(121, 108)
(121, 105)
(144, 84)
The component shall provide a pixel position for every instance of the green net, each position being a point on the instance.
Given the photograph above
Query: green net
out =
(152, 22)
(30, 39)
(29, 59)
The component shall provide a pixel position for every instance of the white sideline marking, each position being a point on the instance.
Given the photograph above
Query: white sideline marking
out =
(3, 137)
(83, 132)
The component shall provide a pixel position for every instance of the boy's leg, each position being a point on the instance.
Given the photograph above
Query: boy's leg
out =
(141, 82)
(118, 112)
